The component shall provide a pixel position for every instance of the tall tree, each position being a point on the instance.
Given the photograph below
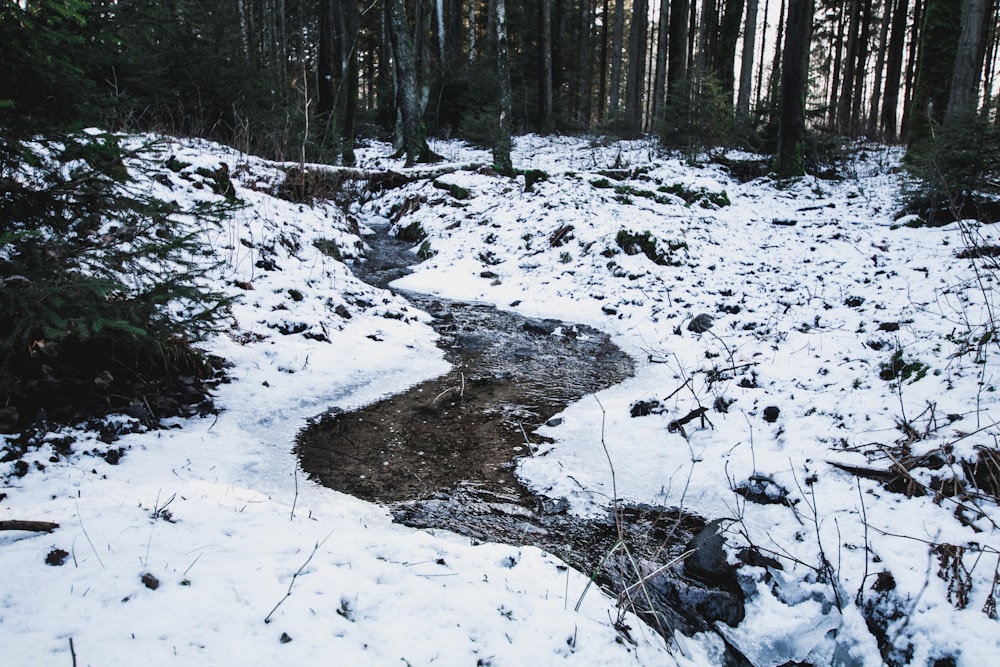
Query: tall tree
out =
(660, 68)
(894, 68)
(845, 100)
(964, 91)
(617, 50)
(408, 93)
(501, 149)
(746, 64)
(873, 112)
(935, 65)
(677, 51)
(794, 75)
(350, 79)
(547, 112)
(725, 53)
(636, 64)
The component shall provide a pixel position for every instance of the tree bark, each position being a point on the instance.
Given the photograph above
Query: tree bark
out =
(408, 97)
(501, 150)
(883, 47)
(616, 60)
(351, 80)
(30, 526)
(677, 47)
(964, 94)
(746, 66)
(325, 68)
(636, 65)
(547, 115)
(845, 100)
(935, 65)
(794, 76)
(894, 70)
(660, 73)
(729, 34)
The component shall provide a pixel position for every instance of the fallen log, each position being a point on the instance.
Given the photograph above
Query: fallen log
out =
(31, 526)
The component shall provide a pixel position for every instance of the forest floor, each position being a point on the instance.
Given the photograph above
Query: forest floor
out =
(839, 364)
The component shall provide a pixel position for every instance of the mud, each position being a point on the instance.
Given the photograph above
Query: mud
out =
(443, 454)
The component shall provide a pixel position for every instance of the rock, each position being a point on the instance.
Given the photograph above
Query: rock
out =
(701, 323)
(56, 557)
(763, 490)
(643, 408)
(149, 581)
(771, 413)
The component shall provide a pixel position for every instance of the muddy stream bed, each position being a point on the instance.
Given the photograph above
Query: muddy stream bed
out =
(443, 454)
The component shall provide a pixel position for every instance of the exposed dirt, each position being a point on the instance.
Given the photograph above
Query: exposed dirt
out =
(442, 455)
(510, 375)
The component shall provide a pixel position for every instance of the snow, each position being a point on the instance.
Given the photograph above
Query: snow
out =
(805, 317)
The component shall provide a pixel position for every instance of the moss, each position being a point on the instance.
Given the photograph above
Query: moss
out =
(633, 243)
(412, 233)
(456, 191)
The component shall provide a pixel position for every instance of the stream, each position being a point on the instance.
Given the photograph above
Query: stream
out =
(443, 455)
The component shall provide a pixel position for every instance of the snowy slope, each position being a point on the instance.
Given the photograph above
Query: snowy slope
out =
(805, 315)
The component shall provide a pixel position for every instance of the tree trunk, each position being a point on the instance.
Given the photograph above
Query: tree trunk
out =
(325, 67)
(351, 80)
(708, 36)
(894, 69)
(838, 63)
(501, 150)
(660, 73)
(919, 8)
(938, 46)
(616, 60)
(794, 79)
(408, 97)
(774, 83)
(883, 47)
(586, 71)
(964, 94)
(845, 101)
(547, 117)
(636, 65)
(677, 47)
(861, 69)
(602, 93)
(729, 34)
(746, 65)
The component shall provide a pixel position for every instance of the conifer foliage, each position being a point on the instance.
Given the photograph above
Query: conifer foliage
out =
(100, 285)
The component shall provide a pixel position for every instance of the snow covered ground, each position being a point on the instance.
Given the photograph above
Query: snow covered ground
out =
(204, 545)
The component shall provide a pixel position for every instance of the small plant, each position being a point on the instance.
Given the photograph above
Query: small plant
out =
(633, 243)
(903, 370)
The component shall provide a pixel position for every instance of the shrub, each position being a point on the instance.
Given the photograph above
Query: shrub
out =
(100, 283)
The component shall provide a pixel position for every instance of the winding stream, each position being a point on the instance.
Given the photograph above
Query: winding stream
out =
(442, 455)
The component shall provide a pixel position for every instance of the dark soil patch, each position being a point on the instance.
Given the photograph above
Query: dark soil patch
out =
(442, 455)
(511, 375)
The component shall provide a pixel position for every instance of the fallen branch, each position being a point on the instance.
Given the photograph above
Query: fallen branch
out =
(678, 424)
(32, 526)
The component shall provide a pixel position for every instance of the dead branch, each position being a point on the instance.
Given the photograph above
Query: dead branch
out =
(31, 526)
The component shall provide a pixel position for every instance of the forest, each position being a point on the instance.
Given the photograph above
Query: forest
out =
(656, 332)
(306, 80)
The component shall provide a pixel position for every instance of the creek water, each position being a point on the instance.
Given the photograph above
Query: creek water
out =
(443, 454)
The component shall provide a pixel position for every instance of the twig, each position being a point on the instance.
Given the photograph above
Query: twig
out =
(72, 651)
(295, 500)
(85, 534)
(860, 597)
(288, 593)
